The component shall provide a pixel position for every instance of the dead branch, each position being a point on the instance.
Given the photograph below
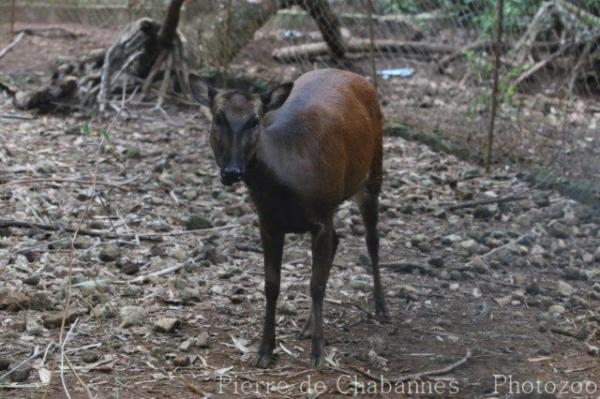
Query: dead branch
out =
(11, 45)
(105, 235)
(441, 371)
(499, 200)
(409, 48)
(73, 181)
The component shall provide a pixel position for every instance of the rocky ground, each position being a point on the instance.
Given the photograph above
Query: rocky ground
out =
(173, 306)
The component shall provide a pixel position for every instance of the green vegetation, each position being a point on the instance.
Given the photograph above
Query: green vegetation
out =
(479, 14)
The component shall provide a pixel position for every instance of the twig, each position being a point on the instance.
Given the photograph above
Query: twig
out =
(109, 236)
(441, 371)
(499, 200)
(12, 44)
(494, 104)
(158, 273)
(58, 180)
(35, 355)
(406, 267)
(516, 240)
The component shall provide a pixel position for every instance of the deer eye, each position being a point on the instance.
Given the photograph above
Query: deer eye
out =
(254, 123)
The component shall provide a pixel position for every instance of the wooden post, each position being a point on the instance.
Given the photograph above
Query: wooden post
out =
(372, 43)
(494, 99)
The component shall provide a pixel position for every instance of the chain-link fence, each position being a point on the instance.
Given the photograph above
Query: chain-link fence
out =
(433, 61)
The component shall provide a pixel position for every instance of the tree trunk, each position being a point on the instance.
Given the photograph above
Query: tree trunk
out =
(222, 34)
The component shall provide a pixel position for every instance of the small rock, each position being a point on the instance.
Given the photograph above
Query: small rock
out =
(558, 230)
(132, 316)
(469, 245)
(33, 327)
(180, 255)
(109, 254)
(533, 288)
(483, 212)
(588, 258)
(20, 374)
(54, 320)
(287, 308)
(436, 261)
(203, 340)
(197, 222)
(90, 357)
(519, 279)
(451, 239)
(14, 301)
(564, 289)
(33, 280)
(167, 325)
(181, 361)
(541, 199)
(478, 264)
(573, 273)
(556, 309)
(538, 261)
(186, 345)
(130, 268)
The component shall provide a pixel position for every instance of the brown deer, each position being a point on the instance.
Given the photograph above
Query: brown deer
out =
(301, 150)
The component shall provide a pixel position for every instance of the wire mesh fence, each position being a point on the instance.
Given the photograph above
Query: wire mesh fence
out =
(432, 60)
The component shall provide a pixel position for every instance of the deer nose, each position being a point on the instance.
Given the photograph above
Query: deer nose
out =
(230, 175)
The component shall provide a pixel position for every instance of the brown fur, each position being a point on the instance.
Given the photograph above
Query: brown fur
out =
(321, 146)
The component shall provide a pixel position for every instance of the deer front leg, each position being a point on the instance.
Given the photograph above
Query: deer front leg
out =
(273, 250)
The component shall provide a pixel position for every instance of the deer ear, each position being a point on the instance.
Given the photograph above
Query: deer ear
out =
(202, 92)
(276, 97)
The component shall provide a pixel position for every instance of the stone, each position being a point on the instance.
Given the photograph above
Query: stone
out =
(436, 261)
(21, 374)
(132, 316)
(90, 356)
(556, 309)
(483, 212)
(32, 279)
(558, 230)
(564, 289)
(181, 361)
(203, 340)
(287, 308)
(109, 254)
(197, 222)
(167, 325)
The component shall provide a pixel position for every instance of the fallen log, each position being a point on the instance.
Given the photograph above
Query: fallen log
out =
(318, 49)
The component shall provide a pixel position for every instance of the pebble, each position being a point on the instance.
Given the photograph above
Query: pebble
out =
(197, 222)
(33, 280)
(167, 325)
(558, 230)
(556, 309)
(436, 261)
(132, 316)
(109, 254)
(287, 308)
(564, 289)
(20, 374)
(90, 357)
(181, 361)
(483, 212)
(203, 340)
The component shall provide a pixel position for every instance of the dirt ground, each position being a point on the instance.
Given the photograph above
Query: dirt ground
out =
(513, 284)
